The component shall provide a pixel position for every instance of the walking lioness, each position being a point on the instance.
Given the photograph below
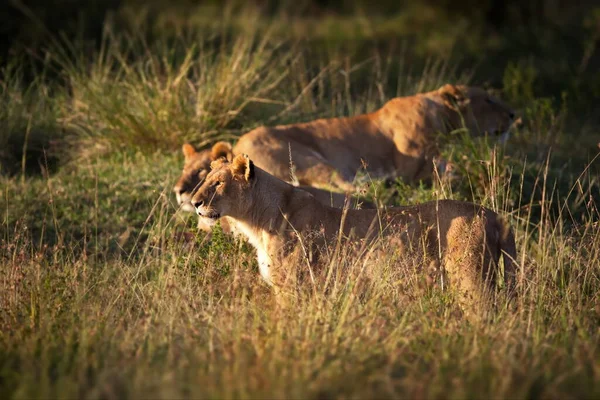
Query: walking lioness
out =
(398, 140)
(466, 239)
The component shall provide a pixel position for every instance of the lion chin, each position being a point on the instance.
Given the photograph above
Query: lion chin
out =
(209, 217)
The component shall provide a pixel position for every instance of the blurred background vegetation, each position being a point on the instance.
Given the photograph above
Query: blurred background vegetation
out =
(558, 39)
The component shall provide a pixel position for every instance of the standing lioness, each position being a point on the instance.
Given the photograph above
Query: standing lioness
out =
(466, 239)
(398, 140)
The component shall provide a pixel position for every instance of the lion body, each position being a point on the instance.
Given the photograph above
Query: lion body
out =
(466, 239)
(398, 140)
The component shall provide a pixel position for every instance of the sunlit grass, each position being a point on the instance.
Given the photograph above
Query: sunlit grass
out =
(100, 295)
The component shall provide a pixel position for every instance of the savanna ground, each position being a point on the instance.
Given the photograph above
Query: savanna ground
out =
(100, 299)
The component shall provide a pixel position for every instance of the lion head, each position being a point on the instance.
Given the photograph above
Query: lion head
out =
(477, 110)
(225, 192)
(195, 168)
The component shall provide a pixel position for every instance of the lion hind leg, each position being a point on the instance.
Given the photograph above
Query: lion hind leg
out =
(469, 267)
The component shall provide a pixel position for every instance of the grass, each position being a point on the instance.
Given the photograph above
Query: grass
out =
(100, 298)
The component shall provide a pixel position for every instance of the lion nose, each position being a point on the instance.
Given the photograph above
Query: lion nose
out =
(198, 203)
(512, 115)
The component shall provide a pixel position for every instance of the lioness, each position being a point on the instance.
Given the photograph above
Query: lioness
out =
(197, 165)
(466, 239)
(398, 140)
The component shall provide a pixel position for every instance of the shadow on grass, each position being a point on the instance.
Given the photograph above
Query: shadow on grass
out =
(31, 153)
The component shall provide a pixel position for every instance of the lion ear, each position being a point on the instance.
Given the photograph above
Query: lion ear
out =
(221, 149)
(243, 166)
(188, 150)
(454, 97)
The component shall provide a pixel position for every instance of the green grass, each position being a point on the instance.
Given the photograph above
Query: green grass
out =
(101, 298)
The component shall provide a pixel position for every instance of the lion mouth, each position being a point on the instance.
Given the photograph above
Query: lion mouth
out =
(208, 213)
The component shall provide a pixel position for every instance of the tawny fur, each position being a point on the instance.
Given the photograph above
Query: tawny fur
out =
(398, 140)
(197, 165)
(465, 238)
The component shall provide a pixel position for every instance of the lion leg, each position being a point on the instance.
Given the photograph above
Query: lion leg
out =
(469, 266)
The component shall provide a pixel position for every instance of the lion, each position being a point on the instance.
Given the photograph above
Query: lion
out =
(396, 141)
(195, 168)
(466, 239)
(197, 165)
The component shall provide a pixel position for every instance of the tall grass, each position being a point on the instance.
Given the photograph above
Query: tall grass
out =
(169, 320)
(29, 120)
(100, 296)
(159, 95)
